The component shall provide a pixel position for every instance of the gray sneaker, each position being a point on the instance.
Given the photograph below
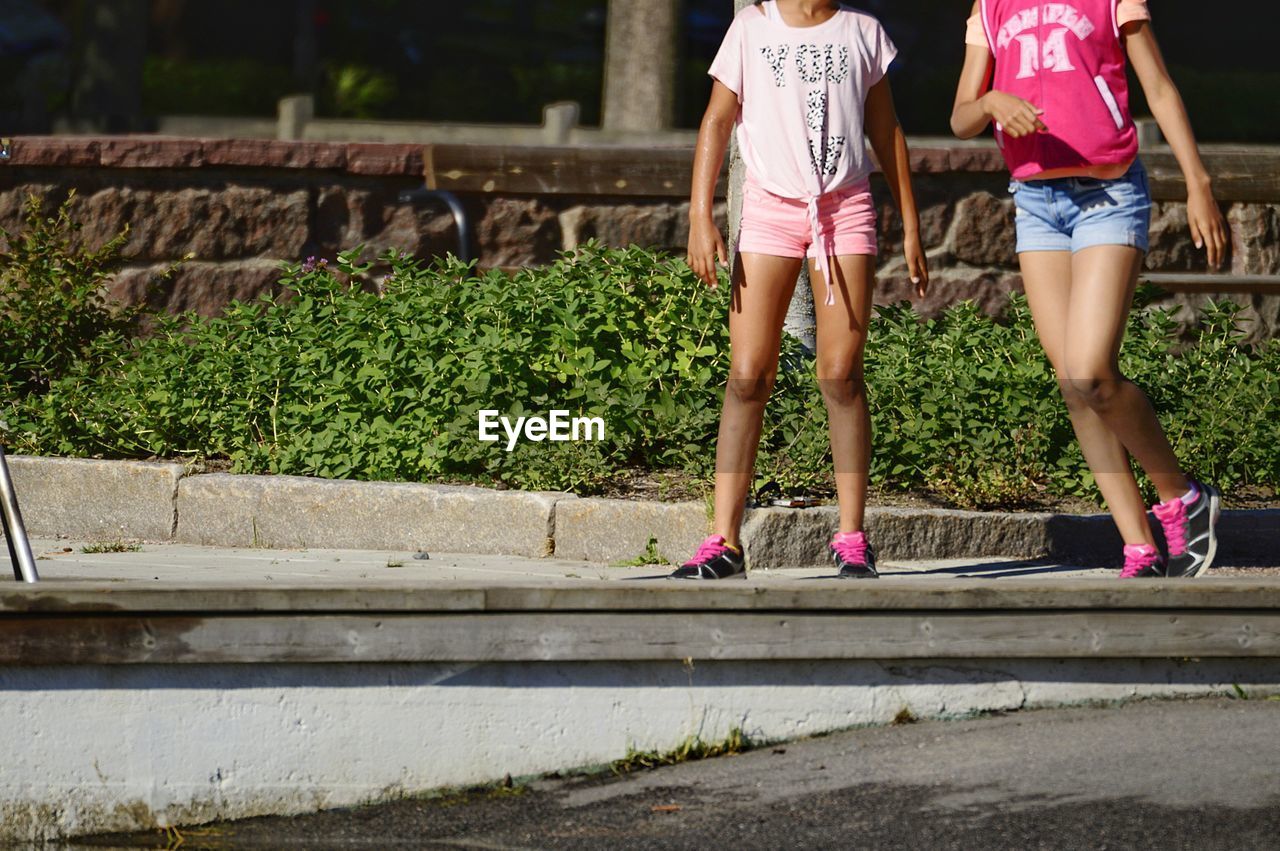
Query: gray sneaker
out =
(1190, 531)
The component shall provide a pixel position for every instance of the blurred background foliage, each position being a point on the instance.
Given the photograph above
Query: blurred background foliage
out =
(502, 60)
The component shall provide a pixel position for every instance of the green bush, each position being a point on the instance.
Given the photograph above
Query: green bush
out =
(968, 406)
(1218, 398)
(53, 314)
(969, 409)
(340, 381)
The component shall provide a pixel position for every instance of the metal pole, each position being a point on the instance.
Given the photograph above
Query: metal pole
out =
(415, 196)
(15, 534)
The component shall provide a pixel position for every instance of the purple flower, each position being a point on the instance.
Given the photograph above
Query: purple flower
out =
(313, 264)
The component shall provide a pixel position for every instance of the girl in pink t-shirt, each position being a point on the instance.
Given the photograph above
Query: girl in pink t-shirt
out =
(1051, 77)
(802, 81)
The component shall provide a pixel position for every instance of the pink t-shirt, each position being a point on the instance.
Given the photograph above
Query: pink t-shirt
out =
(1126, 12)
(803, 90)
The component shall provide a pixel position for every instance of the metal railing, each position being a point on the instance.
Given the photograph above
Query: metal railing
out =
(460, 218)
(15, 533)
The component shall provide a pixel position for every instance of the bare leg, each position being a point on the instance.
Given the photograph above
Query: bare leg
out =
(1102, 284)
(762, 288)
(842, 339)
(1047, 278)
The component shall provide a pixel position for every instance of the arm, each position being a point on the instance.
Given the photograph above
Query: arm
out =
(706, 244)
(1203, 215)
(890, 145)
(975, 107)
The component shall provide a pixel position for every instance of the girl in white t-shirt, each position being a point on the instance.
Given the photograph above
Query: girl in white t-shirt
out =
(802, 81)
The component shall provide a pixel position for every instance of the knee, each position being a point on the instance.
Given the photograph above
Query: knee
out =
(749, 384)
(842, 383)
(1070, 395)
(1095, 392)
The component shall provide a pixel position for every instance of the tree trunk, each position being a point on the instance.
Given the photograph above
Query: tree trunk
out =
(640, 65)
(801, 321)
(306, 50)
(107, 93)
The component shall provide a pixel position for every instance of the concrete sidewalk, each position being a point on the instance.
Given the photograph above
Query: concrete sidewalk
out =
(188, 564)
(63, 560)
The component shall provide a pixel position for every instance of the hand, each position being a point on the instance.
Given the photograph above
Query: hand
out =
(1015, 116)
(706, 251)
(917, 263)
(1208, 231)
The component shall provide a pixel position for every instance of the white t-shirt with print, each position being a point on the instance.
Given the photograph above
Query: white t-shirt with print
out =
(803, 92)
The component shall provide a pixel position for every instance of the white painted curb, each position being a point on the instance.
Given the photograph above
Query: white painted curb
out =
(103, 749)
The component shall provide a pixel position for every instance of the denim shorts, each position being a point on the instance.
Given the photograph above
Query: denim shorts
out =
(1073, 213)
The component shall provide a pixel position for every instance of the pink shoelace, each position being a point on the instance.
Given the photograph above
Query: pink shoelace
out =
(1138, 557)
(1173, 517)
(713, 546)
(851, 546)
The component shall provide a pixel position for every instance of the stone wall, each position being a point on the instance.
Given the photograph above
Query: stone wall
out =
(967, 226)
(241, 208)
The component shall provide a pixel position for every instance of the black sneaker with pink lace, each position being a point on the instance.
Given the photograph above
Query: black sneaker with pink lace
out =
(1190, 530)
(715, 559)
(1143, 561)
(853, 556)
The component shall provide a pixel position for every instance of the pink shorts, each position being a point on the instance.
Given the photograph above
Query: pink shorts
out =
(781, 227)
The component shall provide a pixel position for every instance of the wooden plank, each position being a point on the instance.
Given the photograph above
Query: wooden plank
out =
(55, 597)
(913, 593)
(618, 637)
(1239, 174)
(653, 597)
(622, 171)
(655, 172)
(1214, 283)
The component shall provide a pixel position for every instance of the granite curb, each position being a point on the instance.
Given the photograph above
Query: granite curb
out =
(131, 500)
(104, 500)
(291, 511)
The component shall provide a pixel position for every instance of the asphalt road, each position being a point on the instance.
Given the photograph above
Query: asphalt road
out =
(1181, 774)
